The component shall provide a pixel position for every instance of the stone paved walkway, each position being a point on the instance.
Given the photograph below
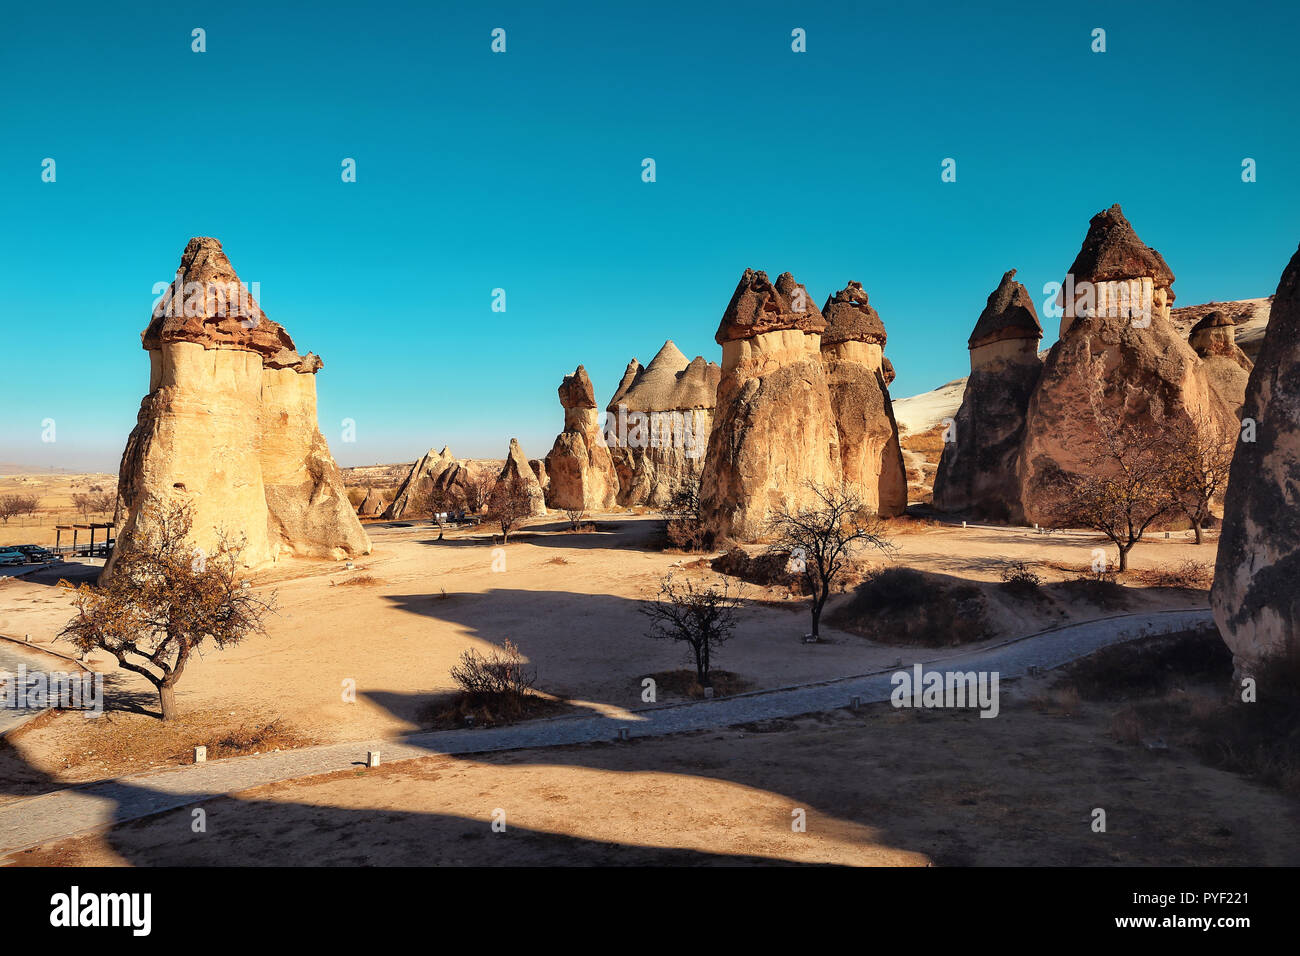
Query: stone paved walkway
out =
(36, 820)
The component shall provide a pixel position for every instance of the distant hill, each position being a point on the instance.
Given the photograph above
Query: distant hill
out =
(9, 468)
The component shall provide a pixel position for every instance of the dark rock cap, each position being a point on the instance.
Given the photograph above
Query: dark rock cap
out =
(1213, 320)
(850, 318)
(1008, 314)
(208, 305)
(758, 306)
(1112, 250)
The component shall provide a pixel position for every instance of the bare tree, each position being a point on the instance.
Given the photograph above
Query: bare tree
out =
(15, 506)
(575, 516)
(508, 504)
(821, 538)
(700, 615)
(1200, 456)
(1123, 491)
(164, 600)
(684, 519)
(478, 488)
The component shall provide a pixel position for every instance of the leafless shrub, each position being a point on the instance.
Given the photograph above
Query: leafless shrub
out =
(684, 520)
(500, 675)
(821, 539)
(700, 615)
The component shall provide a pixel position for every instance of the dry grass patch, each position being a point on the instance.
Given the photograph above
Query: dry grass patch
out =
(1190, 574)
(928, 442)
(118, 743)
(910, 524)
(1178, 693)
(683, 683)
(898, 605)
(491, 710)
(361, 580)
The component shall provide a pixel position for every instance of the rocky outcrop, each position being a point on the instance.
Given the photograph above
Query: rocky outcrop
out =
(579, 472)
(1249, 318)
(414, 494)
(773, 428)
(1214, 339)
(977, 472)
(229, 426)
(372, 506)
(1118, 346)
(657, 425)
(1256, 593)
(852, 349)
(538, 466)
(516, 473)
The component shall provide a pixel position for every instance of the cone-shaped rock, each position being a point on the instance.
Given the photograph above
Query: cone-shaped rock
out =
(516, 472)
(657, 425)
(1115, 273)
(1214, 339)
(1121, 349)
(372, 506)
(1256, 594)
(414, 493)
(774, 430)
(977, 471)
(229, 426)
(852, 349)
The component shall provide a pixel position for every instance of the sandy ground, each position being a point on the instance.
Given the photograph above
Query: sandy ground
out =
(569, 601)
(878, 787)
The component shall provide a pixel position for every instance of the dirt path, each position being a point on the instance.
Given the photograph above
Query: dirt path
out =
(37, 820)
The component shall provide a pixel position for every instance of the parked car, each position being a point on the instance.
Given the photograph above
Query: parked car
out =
(36, 554)
(10, 558)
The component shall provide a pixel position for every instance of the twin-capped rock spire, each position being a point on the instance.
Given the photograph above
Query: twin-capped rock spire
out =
(229, 426)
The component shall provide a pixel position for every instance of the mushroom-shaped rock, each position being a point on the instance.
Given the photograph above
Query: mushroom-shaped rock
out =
(977, 470)
(229, 427)
(774, 436)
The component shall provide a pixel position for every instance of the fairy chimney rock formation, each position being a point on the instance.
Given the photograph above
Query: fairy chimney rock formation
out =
(774, 433)
(517, 473)
(977, 470)
(579, 474)
(852, 348)
(1214, 339)
(657, 425)
(229, 426)
(372, 506)
(414, 494)
(1119, 364)
(1116, 274)
(1255, 596)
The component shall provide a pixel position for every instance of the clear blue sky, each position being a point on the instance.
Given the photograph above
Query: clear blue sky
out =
(523, 171)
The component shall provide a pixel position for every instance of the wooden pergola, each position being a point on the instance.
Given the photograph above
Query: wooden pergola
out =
(92, 527)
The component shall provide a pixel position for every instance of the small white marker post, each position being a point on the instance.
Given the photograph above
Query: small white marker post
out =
(963, 524)
(372, 758)
(200, 754)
